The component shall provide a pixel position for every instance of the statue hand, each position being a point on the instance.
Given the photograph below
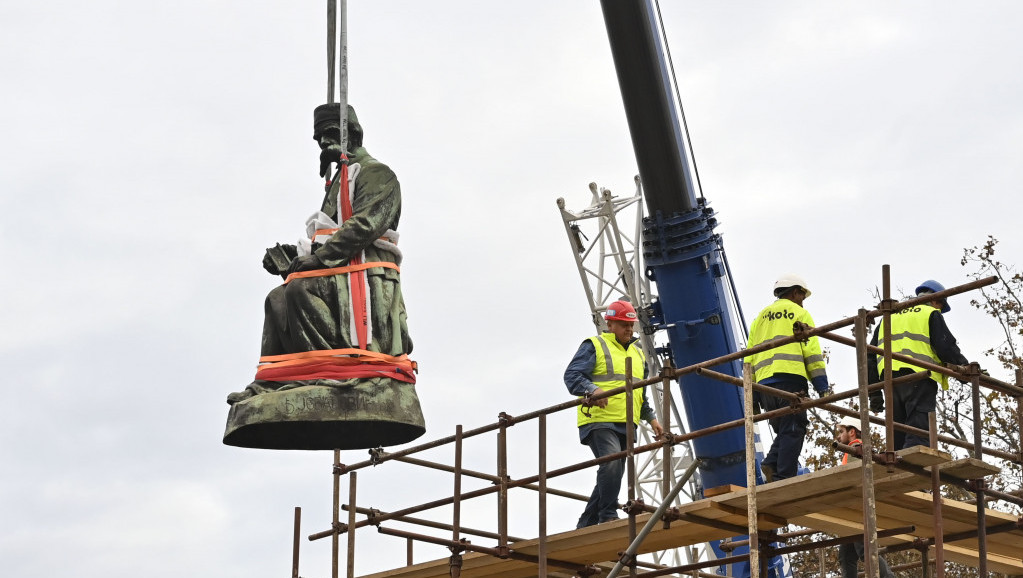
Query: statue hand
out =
(304, 263)
(268, 263)
(278, 258)
(331, 154)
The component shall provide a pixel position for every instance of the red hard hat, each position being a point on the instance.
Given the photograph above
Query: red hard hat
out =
(621, 310)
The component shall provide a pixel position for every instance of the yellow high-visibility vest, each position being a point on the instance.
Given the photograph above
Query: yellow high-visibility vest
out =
(609, 373)
(911, 336)
(775, 322)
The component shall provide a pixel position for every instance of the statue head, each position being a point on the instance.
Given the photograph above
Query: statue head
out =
(327, 126)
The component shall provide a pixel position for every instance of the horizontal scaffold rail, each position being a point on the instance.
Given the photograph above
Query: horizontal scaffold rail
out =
(826, 501)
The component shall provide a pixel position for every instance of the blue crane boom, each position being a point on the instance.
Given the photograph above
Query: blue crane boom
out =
(680, 247)
(684, 255)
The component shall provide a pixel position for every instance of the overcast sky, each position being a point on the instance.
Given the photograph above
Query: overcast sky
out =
(151, 151)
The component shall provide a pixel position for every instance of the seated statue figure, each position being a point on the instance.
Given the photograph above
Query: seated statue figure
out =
(335, 341)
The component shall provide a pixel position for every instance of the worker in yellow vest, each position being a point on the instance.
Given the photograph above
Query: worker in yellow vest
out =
(599, 364)
(918, 332)
(786, 368)
(851, 553)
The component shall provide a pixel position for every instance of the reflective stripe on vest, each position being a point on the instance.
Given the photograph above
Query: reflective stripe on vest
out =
(911, 336)
(609, 373)
(853, 443)
(775, 322)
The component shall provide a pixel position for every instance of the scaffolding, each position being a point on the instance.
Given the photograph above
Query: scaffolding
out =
(891, 500)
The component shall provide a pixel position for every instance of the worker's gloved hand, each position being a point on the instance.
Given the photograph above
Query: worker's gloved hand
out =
(304, 263)
(876, 401)
(331, 154)
(596, 402)
(825, 392)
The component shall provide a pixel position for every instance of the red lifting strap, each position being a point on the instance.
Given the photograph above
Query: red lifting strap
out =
(336, 364)
(328, 370)
(357, 278)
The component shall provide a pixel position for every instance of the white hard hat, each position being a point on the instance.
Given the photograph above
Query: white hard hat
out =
(790, 280)
(848, 421)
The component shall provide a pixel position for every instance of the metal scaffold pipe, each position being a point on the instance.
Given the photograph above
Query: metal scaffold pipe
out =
(630, 552)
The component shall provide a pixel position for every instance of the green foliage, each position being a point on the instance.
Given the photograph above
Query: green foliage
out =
(999, 424)
(1001, 301)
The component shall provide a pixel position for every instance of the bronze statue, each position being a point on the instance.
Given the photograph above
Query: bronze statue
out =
(335, 373)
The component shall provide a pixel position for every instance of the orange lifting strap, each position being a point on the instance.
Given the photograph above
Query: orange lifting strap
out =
(341, 270)
(336, 364)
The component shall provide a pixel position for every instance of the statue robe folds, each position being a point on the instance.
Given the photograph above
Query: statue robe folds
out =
(318, 313)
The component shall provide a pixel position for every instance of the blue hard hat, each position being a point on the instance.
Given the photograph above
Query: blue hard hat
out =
(932, 286)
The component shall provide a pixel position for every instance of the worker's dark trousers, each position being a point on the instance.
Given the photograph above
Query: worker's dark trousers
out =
(849, 556)
(789, 432)
(913, 401)
(603, 504)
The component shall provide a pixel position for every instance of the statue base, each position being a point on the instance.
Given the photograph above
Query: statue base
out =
(345, 415)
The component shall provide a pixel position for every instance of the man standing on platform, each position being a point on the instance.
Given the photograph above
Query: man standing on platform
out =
(786, 368)
(850, 554)
(599, 365)
(918, 332)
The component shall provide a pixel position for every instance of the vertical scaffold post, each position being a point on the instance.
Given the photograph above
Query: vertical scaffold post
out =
(295, 543)
(869, 515)
(939, 538)
(352, 481)
(630, 444)
(456, 506)
(1019, 409)
(542, 507)
(981, 528)
(751, 468)
(455, 563)
(889, 389)
(502, 487)
(666, 465)
(336, 518)
(978, 447)
(979, 484)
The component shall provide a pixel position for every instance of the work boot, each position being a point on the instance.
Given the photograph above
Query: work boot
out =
(768, 471)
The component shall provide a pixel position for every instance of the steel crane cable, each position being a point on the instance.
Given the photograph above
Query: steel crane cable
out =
(678, 96)
(692, 152)
(331, 47)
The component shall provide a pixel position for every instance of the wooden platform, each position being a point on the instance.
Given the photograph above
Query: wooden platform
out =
(829, 500)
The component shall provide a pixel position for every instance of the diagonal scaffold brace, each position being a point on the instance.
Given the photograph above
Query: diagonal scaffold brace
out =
(630, 552)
